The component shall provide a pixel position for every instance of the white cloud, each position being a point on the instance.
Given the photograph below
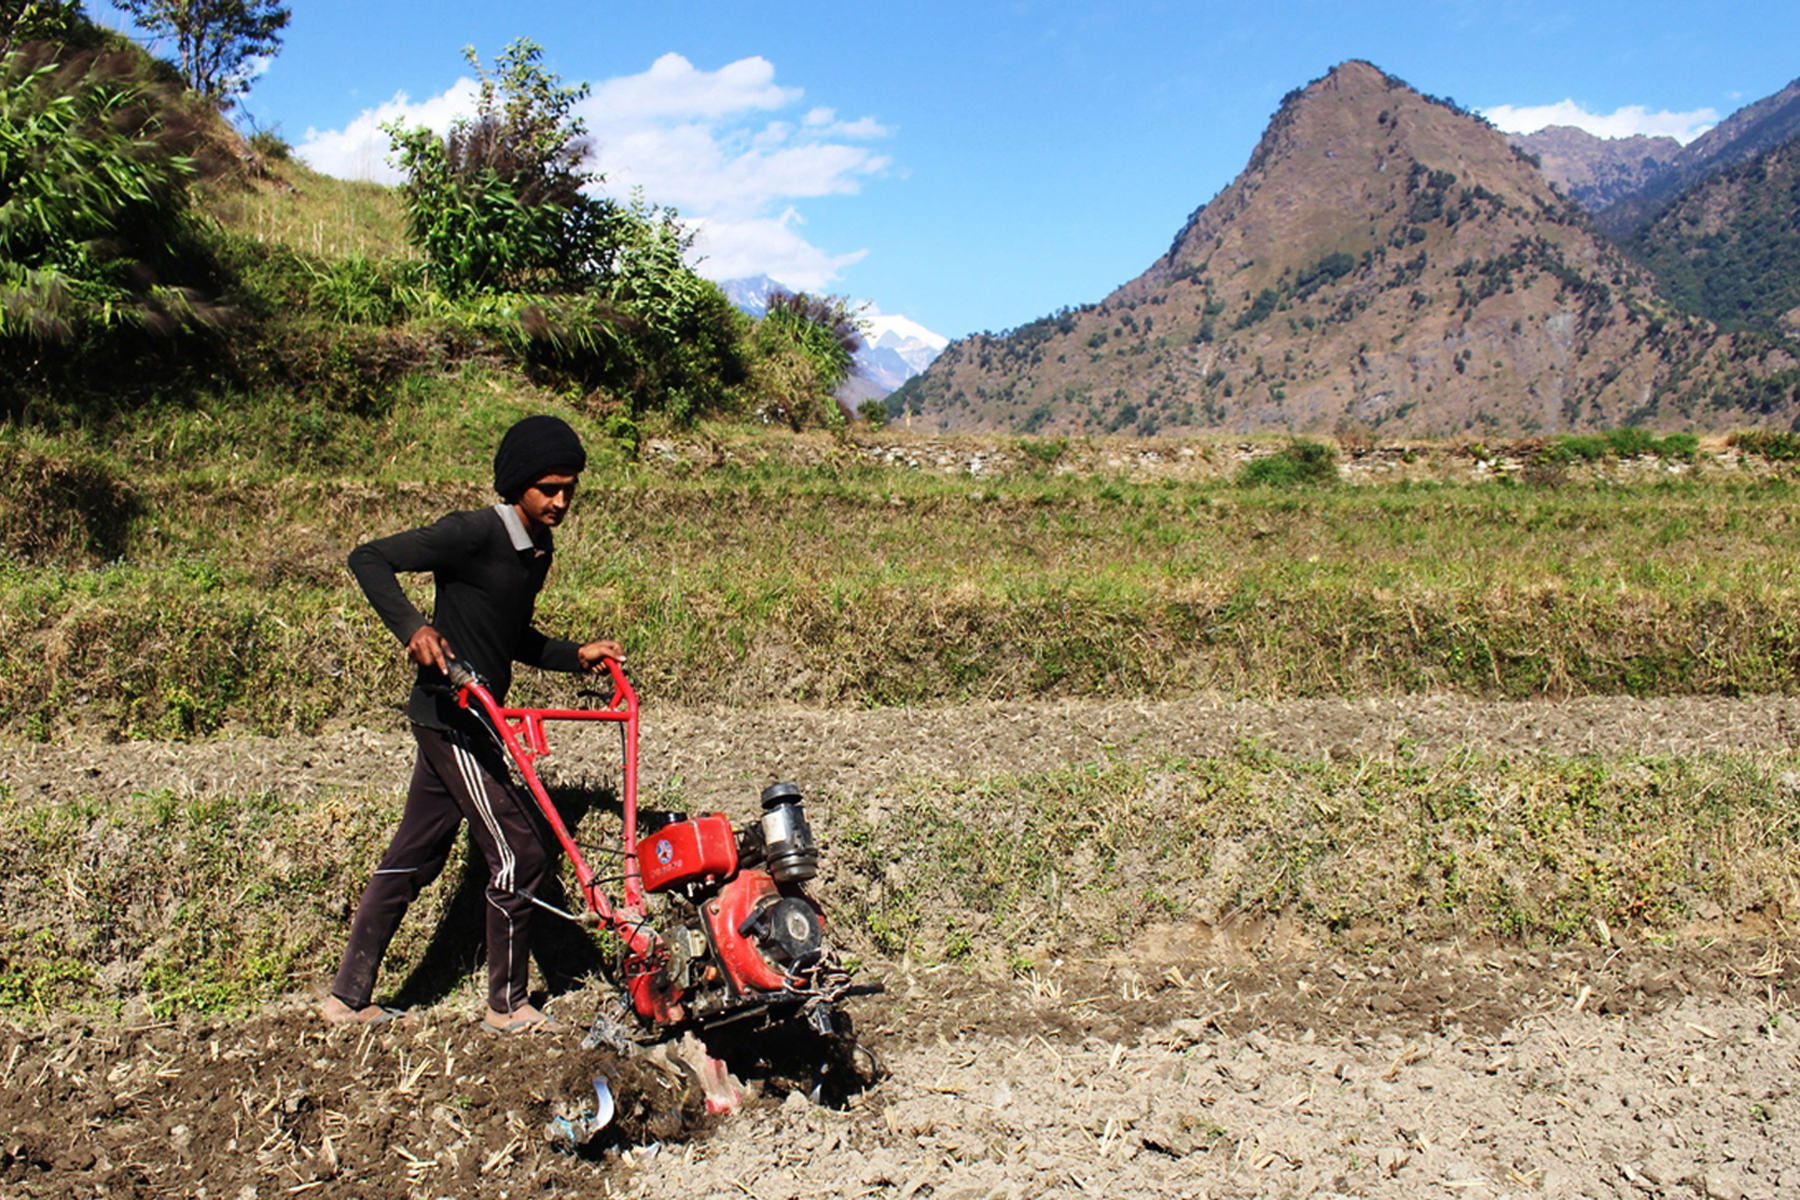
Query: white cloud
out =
(708, 143)
(674, 90)
(1629, 121)
(824, 122)
(690, 168)
(712, 144)
(256, 66)
(767, 245)
(360, 150)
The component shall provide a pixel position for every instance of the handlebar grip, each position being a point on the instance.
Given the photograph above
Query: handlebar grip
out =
(461, 673)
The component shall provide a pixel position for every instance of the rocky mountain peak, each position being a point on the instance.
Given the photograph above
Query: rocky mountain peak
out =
(1756, 128)
(1384, 260)
(1339, 152)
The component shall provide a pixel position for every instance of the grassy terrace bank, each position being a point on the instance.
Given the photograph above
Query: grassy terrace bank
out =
(146, 595)
(206, 903)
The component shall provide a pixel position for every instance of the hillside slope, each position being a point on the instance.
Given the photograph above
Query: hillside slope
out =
(1384, 260)
(1729, 248)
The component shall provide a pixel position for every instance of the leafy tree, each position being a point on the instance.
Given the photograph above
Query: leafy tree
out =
(653, 334)
(93, 198)
(219, 41)
(499, 204)
(599, 293)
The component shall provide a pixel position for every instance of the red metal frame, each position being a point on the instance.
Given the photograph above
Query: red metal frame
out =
(521, 730)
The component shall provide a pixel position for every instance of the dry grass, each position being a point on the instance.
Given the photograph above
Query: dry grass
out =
(1528, 849)
(314, 214)
(191, 900)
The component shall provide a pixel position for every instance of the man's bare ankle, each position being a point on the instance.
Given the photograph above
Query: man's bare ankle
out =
(338, 1012)
(526, 1016)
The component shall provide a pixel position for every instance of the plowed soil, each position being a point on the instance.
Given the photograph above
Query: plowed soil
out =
(1253, 1060)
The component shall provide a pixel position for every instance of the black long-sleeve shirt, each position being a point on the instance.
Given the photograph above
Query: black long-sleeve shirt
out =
(488, 572)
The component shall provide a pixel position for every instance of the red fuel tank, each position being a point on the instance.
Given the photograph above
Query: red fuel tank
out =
(701, 848)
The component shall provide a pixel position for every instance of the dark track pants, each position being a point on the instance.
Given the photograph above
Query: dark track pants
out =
(458, 776)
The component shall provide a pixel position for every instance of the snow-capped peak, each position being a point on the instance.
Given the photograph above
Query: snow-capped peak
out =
(886, 329)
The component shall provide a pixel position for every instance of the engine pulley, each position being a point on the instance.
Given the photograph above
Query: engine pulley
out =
(790, 927)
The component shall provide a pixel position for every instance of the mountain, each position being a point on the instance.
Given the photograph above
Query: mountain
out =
(1770, 122)
(1386, 261)
(751, 294)
(1717, 221)
(894, 349)
(1595, 171)
(1729, 247)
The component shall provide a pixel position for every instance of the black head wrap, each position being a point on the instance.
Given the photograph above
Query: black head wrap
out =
(532, 448)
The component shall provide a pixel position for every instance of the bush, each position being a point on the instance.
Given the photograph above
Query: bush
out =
(1355, 437)
(500, 204)
(59, 21)
(105, 277)
(807, 346)
(1683, 446)
(1626, 442)
(1630, 442)
(686, 356)
(62, 506)
(1775, 444)
(270, 146)
(1300, 463)
(1569, 448)
(359, 290)
(587, 293)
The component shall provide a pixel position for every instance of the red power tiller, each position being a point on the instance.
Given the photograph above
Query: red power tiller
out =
(741, 939)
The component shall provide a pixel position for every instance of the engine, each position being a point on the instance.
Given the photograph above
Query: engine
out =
(748, 938)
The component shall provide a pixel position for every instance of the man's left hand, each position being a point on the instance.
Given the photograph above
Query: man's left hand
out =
(593, 656)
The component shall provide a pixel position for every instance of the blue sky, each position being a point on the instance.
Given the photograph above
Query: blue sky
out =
(975, 165)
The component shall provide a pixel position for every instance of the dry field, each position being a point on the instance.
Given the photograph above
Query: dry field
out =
(1239, 1058)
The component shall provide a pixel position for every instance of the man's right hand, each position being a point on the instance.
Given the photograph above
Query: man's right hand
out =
(428, 648)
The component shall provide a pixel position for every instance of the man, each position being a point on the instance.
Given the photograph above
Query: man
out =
(488, 567)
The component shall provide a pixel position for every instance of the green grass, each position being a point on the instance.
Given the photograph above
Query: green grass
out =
(184, 903)
(222, 902)
(1379, 849)
(1300, 463)
(173, 568)
(184, 575)
(314, 214)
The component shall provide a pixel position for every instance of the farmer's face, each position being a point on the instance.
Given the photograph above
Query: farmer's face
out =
(546, 501)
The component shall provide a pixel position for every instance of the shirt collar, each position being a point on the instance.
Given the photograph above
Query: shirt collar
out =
(515, 529)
